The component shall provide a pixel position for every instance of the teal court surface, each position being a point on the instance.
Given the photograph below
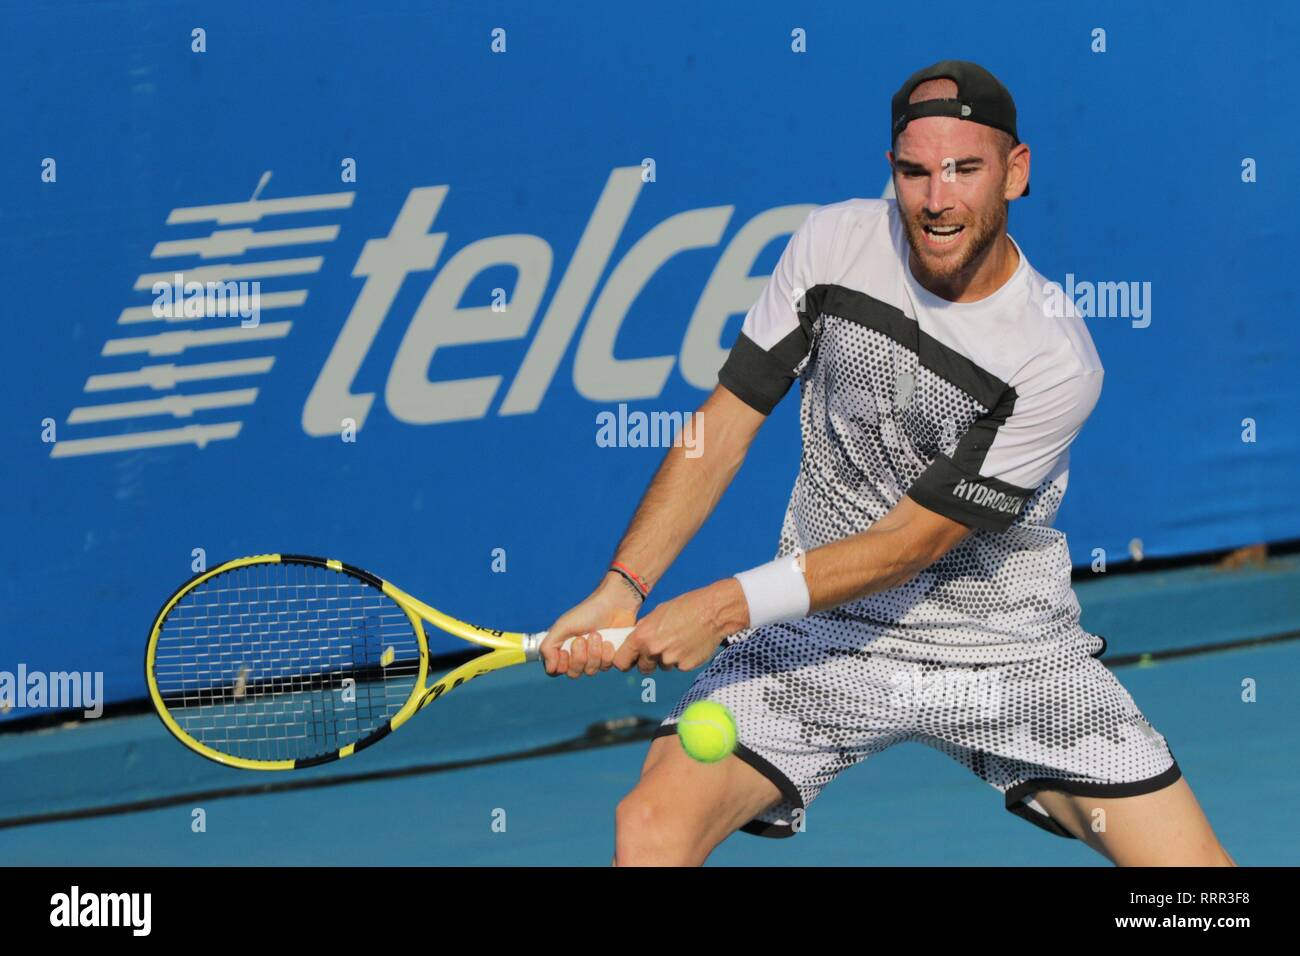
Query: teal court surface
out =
(521, 769)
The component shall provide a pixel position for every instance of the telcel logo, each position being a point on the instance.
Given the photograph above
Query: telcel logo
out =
(597, 375)
(184, 362)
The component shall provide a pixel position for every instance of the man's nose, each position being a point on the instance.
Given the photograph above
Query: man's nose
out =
(939, 196)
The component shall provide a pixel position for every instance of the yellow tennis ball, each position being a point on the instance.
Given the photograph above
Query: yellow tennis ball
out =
(707, 731)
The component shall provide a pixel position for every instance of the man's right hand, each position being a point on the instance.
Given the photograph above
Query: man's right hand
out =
(612, 604)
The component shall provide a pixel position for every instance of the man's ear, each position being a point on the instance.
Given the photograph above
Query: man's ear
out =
(1017, 171)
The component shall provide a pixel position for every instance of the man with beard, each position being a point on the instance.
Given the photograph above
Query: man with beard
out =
(920, 591)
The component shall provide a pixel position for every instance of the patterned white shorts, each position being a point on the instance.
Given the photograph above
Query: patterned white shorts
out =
(806, 710)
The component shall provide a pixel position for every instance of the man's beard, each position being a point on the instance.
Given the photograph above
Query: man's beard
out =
(978, 236)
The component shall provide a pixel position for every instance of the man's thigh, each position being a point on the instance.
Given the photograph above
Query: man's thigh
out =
(681, 809)
(1164, 828)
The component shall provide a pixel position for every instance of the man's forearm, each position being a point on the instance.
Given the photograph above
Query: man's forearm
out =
(896, 549)
(685, 491)
(893, 551)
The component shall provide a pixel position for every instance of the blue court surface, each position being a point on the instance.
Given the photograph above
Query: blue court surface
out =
(910, 806)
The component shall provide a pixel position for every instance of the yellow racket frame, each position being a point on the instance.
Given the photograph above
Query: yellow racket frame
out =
(506, 649)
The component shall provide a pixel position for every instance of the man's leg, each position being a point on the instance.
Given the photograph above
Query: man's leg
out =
(681, 809)
(1164, 828)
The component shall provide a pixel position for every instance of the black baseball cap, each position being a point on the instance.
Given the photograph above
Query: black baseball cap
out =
(981, 98)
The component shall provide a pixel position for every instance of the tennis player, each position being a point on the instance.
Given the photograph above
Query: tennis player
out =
(920, 592)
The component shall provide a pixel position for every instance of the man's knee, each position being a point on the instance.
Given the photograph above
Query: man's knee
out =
(651, 831)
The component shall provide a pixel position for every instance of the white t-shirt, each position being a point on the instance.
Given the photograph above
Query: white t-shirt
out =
(968, 408)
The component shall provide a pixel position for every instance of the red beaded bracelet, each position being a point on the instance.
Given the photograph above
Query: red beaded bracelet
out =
(632, 578)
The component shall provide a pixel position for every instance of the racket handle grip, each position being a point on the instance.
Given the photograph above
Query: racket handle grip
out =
(613, 635)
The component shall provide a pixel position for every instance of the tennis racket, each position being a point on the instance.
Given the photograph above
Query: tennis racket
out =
(284, 661)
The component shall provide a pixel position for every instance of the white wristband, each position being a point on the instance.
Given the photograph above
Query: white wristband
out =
(775, 591)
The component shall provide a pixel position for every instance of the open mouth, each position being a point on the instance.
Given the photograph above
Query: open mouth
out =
(942, 235)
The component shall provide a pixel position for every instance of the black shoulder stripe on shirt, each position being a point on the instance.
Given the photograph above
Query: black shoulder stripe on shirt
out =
(974, 446)
(946, 362)
(760, 378)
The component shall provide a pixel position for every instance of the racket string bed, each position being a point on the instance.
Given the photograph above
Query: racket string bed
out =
(254, 661)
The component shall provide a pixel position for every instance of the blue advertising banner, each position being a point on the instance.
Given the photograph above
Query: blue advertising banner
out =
(464, 245)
